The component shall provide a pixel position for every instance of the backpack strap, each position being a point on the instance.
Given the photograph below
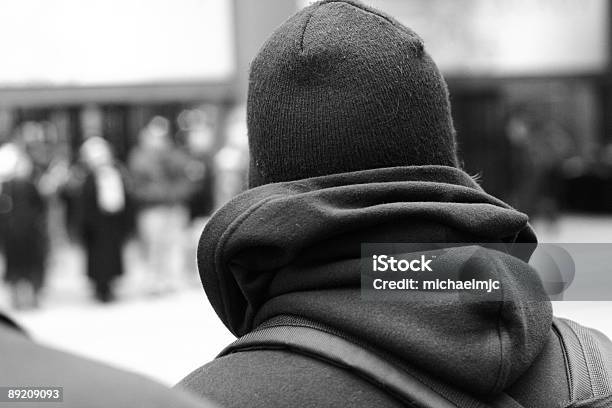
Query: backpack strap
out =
(413, 389)
(588, 357)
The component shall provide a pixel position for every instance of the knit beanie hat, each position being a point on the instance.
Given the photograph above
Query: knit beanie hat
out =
(342, 87)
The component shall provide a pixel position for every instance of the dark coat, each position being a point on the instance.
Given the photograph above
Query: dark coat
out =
(294, 249)
(103, 234)
(200, 170)
(23, 231)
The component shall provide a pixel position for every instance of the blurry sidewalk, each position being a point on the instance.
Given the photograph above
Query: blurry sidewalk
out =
(163, 336)
(575, 228)
(168, 336)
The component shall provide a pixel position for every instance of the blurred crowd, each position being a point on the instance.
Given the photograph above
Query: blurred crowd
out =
(553, 170)
(158, 198)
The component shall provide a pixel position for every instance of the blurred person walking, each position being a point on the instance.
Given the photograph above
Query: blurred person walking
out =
(104, 216)
(232, 160)
(200, 172)
(199, 140)
(161, 189)
(23, 227)
(539, 148)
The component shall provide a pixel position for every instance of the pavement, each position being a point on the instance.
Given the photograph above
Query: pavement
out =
(163, 336)
(167, 336)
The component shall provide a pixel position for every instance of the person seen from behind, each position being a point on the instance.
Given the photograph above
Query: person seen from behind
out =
(161, 189)
(351, 140)
(23, 227)
(104, 216)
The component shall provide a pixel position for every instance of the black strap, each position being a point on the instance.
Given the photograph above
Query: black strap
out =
(589, 368)
(414, 389)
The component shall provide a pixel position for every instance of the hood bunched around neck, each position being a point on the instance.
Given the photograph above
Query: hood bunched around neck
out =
(294, 248)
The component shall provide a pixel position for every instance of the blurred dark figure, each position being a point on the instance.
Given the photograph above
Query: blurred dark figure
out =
(605, 164)
(199, 137)
(588, 178)
(22, 228)
(161, 188)
(200, 170)
(524, 187)
(70, 196)
(538, 154)
(552, 147)
(104, 216)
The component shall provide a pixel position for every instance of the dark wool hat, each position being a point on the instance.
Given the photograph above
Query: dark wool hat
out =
(342, 87)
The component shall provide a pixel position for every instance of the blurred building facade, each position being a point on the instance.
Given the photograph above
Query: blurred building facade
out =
(530, 87)
(530, 83)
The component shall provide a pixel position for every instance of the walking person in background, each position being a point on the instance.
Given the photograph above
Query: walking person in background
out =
(23, 227)
(199, 138)
(199, 141)
(104, 216)
(232, 160)
(161, 188)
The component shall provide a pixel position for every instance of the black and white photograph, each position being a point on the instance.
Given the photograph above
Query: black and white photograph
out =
(299, 203)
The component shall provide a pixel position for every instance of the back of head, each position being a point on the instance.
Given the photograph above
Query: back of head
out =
(341, 87)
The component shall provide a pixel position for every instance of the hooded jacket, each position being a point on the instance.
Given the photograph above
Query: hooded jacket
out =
(293, 249)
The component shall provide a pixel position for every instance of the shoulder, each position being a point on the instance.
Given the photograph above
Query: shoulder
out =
(280, 378)
(575, 365)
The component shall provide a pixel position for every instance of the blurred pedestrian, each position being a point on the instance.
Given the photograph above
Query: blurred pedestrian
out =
(605, 171)
(199, 141)
(199, 138)
(232, 161)
(523, 191)
(538, 147)
(104, 216)
(22, 227)
(161, 189)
